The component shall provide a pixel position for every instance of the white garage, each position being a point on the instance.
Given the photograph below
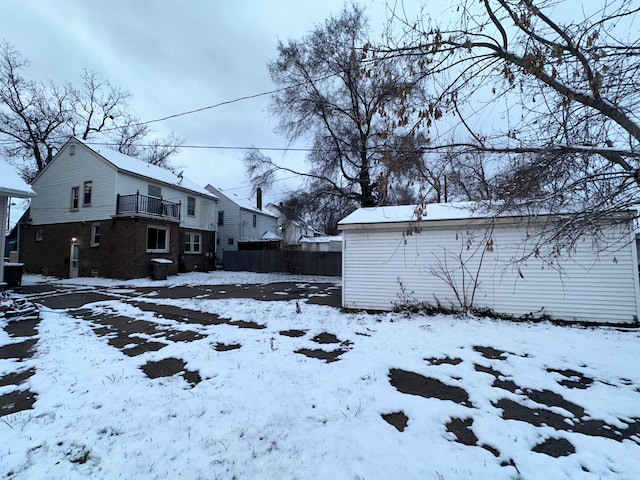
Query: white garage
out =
(455, 256)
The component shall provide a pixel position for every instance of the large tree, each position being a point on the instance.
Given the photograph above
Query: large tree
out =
(347, 105)
(36, 118)
(548, 87)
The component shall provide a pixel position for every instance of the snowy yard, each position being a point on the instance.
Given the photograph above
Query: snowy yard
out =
(220, 387)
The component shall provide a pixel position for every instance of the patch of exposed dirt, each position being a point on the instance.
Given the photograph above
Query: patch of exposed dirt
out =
(293, 333)
(169, 367)
(18, 350)
(445, 360)
(555, 447)
(223, 347)
(490, 352)
(415, 384)
(461, 428)
(398, 419)
(325, 338)
(16, 378)
(21, 398)
(22, 328)
(16, 401)
(573, 378)
(317, 293)
(332, 356)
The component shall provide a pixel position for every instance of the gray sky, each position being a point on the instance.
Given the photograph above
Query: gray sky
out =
(176, 56)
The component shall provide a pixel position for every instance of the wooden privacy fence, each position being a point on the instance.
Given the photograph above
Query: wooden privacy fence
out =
(267, 261)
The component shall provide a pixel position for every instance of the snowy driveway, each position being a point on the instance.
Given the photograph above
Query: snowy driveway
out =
(266, 378)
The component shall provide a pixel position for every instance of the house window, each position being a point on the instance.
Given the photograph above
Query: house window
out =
(157, 240)
(95, 235)
(191, 206)
(255, 221)
(221, 218)
(230, 241)
(86, 199)
(39, 234)
(218, 241)
(75, 197)
(154, 191)
(192, 243)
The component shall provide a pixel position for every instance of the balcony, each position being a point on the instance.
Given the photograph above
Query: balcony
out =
(147, 205)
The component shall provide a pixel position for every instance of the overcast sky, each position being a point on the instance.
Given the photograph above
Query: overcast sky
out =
(176, 56)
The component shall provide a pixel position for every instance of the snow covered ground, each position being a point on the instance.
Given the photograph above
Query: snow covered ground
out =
(262, 408)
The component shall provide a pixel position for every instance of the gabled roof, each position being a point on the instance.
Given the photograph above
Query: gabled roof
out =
(11, 185)
(243, 203)
(412, 213)
(134, 166)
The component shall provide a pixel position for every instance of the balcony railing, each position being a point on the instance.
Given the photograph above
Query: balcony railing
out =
(147, 205)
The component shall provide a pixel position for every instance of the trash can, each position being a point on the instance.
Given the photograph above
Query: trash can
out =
(160, 268)
(13, 274)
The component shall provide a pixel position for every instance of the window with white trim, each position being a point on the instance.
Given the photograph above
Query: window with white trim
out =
(86, 199)
(75, 198)
(192, 242)
(191, 206)
(157, 239)
(95, 235)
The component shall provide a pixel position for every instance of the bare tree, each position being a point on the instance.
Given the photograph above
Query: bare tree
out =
(569, 133)
(348, 104)
(37, 118)
(32, 112)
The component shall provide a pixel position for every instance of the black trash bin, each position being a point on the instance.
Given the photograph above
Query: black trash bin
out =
(160, 268)
(13, 274)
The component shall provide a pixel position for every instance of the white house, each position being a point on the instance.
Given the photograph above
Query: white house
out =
(291, 230)
(99, 212)
(240, 220)
(11, 185)
(332, 243)
(451, 255)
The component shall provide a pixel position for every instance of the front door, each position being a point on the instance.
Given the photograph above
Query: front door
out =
(75, 260)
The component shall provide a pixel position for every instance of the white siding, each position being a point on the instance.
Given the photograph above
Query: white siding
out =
(238, 223)
(206, 207)
(383, 267)
(53, 186)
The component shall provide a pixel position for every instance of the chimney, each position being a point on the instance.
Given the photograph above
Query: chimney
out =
(259, 198)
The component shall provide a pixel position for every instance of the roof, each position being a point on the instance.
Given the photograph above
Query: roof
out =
(449, 211)
(412, 213)
(11, 184)
(243, 203)
(325, 239)
(138, 167)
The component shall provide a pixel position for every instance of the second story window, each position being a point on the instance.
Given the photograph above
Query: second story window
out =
(255, 221)
(220, 218)
(154, 191)
(191, 206)
(75, 198)
(86, 199)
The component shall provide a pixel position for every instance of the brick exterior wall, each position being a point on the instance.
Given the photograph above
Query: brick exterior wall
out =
(122, 252)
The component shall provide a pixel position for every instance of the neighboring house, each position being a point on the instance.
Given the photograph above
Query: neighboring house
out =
(11, 186)
(322, 244)
(101, 213)
(240, 220)
(291, 230)
(390, 258)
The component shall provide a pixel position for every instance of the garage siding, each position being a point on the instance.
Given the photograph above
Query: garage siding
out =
(384, 267)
